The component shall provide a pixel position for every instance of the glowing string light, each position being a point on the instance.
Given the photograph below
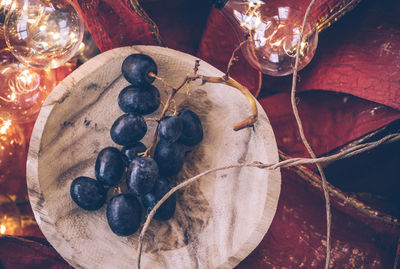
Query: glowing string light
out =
(273, 31)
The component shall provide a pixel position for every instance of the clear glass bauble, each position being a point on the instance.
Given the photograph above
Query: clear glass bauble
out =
(273, 28)
(43, 33)
(23, 89)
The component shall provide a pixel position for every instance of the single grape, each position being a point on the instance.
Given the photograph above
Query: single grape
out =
(130, 152)
(144, 100)
(109, 167)
(136, 69)
(170, 128)
(88, 193)
(167, 209)
(124, 214)
(128, 129)
(141, 175)
(169, 157)
(192, 132)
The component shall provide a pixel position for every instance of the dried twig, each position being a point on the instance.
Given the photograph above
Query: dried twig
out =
(233, 58)
(305, 142)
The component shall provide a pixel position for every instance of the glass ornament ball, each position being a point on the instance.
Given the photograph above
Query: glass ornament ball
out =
(12, 149)
(273, 28)
(43, 33)
(23, 89)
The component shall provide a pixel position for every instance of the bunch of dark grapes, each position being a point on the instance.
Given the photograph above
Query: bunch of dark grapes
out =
(147, 178)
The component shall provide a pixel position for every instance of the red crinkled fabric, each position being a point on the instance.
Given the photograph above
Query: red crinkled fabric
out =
(20, 253)
(113, 23)
(329, 120)
(360, 55)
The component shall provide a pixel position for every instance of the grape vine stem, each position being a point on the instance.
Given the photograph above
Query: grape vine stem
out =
(233, 58)
(249, 122)
(226, 80)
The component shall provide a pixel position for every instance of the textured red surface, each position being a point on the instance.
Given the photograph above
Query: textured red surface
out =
(330, 120)
(113, 24)
(361, 55)
(18, 253)
(350, 89)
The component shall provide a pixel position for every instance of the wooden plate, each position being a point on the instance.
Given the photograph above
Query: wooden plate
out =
(219, 220)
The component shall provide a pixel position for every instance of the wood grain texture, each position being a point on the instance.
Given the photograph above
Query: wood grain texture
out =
(219, 220)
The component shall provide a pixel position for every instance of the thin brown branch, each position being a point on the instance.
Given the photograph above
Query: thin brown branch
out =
(233, 58)
(147, 153)
(170, 100)
(196, 67)
(163, 81)
(307, 144)
(151, 119)
(249, 122)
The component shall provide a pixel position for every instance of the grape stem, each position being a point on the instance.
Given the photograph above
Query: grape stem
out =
(233, 58)
(226, 80)
(171, 95)
(151, 119)
(249, 122)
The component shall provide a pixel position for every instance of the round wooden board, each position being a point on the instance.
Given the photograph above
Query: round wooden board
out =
(219, 220)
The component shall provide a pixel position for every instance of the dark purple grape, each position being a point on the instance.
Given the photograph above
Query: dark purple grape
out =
(141, 175)
(169, 157)
(192, 132)
(88, 193)
(136, 69)
(109, 167)
(128, 129)
(170, 128)
(130, 152)
(144, 100)
(167, 209)
(124, 214)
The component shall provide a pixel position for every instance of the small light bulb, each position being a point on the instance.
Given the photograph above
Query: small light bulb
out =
(22, 89)
(273, 28)
(43, 34)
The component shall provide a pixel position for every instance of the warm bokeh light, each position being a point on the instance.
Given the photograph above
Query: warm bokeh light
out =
(10, 217)
(12, 149)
